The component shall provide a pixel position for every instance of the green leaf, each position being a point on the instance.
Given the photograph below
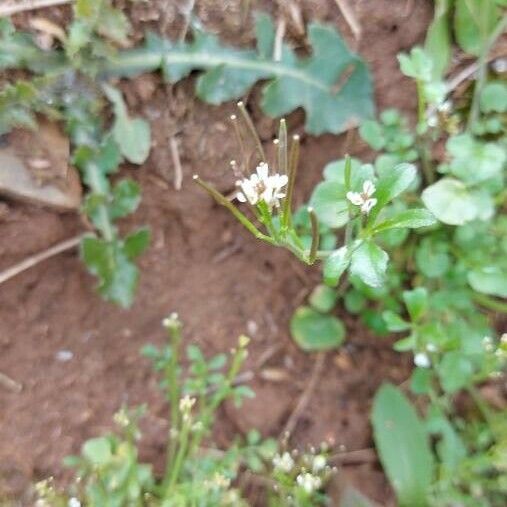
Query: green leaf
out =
(371, 132)
(411, 219)
(416, 301)
(432, 257)
(307, 82)
(394, 322)
(97, 450)
(392, 184)
(126, 197)
(323, 298)
(403, 446)
(417, 64)
(455, 371)
(451, 202)
(369, 263)
(494, 98)
(438, 39)
(313, 331)
(474, 20)
(136, 243)
(475, 161)
(109, 262)
(131, 135)
(335, 265)
(329, 203)
(420, 382)
(488, 280)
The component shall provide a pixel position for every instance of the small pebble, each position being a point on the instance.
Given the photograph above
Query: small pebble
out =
(64, 355)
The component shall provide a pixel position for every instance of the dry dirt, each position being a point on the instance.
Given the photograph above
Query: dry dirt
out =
(201, 264)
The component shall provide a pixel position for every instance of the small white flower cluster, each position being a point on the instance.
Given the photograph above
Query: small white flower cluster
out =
(74, 502)
(284, 463)
(261, 186)
(364, 199)
(309, 482)
(422, 360)
(186, 404)
(319, 463)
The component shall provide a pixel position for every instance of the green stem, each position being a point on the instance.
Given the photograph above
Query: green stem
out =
(104, 223)
(489, 302)
(251, 129)
(481, 72)
(182, 451)
(421, 103)
(292, 169)
(315, 236)
(235, 211)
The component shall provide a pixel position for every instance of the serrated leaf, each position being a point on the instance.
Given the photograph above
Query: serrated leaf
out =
(313, 331)
(126, 197)
(308, 82)
(369, 263)
(131, 134)
(403, 446)
(108, 261)
(136, 243)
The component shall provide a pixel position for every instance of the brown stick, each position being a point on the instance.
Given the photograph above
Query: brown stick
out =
(27, 5)
(9, 383)
(178, 171)
(41, 256)
(305, 397)
(350, 17)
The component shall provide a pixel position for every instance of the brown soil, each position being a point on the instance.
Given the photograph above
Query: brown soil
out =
(201, 264)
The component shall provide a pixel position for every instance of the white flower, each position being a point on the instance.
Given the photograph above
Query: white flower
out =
(186, 403)
(283, 462)
(364, 199)
(261, 186)
(309, 482)
(422, 360)
(74, 502)
(319, 463)
(431, 347)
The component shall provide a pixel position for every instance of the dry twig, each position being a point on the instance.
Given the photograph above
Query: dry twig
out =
(41, 256)
(350, 17)
(9, 383)
(305, 397)
(178, 171)
(10, 8)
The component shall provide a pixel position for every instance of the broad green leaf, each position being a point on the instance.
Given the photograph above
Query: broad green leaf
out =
(455, 371)
(488, 280)
(451, 202)
(438, 39)
(335, 265)
(265, 34)
(474, 21)
(126, 197)
(475, 161)
(371, 132)
(136, 243)
(411, 219)
(313, 331)
(494, 98)
(403, 446)
(416, 301)
(432, 257)
(369, 263)
(330, 205)
(131, 134)
(392, 184)
(394, 322)
(307, 82)
(98, 450)
(323, 298)
(420, 382)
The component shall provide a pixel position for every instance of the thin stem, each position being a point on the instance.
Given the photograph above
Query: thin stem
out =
(239, 137)
(292, 168)
(489, 302)
(481, 72)
(421, 103)
(182, 451)
(315, 236)
(282, 147)
(235, 211)
(251, 128)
